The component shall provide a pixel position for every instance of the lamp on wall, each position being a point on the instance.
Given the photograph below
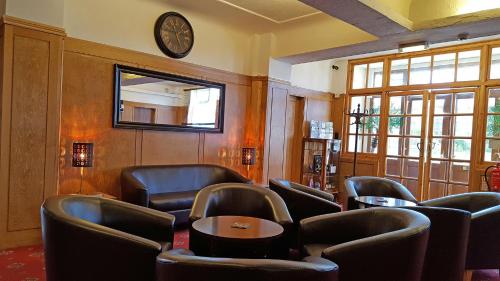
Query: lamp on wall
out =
(83, 156)
(248, 157)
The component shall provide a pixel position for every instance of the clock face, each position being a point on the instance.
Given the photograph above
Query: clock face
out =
(174, 35)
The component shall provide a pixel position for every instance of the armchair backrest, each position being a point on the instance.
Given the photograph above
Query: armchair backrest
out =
(374, 186)
(182, 265)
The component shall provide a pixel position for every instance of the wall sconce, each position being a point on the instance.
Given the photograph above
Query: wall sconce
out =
(248, 157)
(83, 154)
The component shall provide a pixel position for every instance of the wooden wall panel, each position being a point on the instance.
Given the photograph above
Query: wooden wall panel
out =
(159, 148)
(29, 130)
(277, 126)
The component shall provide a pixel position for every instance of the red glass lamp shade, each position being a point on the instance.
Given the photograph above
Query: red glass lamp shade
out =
(83, 154)
(248, 156)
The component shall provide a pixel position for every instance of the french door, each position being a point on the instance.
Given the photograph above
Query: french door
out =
(429, 141)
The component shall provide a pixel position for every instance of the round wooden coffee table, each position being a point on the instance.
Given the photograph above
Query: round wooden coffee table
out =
(237, 236)
(378, 201)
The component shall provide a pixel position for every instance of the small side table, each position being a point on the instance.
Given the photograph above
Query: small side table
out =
(378, 201)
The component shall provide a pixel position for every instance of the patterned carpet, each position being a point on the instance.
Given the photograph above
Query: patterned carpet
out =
(27, 264)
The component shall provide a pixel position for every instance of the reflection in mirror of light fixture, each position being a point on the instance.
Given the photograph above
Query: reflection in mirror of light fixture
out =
(413, 47)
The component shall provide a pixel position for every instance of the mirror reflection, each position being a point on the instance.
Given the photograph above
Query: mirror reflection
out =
(173, 101)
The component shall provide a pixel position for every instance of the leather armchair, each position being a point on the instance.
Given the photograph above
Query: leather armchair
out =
(172, 188)
(447, 246)
(374, 186)
(483, 250)
(233, 199)
(92, 238)
(182, 265)
(376, 244)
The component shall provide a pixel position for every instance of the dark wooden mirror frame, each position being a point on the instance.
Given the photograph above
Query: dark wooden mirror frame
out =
(171, 77)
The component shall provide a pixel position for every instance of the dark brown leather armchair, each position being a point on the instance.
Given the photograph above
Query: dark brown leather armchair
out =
(233, 199)
(483, 250)
(182, 265)
(172, 188)
(374, 186)
(376, 244)
(92, 238)
(447, 246)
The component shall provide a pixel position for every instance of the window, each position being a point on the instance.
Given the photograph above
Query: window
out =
(420, 70)
(368, 75)
(468, 65)
(368, 130)
(495, 63)
(492, 140)
(443, 68)
(399, 72)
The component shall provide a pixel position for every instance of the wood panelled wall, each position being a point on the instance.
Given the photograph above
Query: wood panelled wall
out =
(29, 129)
(58, 90)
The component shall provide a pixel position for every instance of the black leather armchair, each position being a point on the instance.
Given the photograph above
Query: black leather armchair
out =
(376, 244)
(172, 188)
(182, 265)
(92, 238)
(233, 199)
(374, 186)
(483, 250)
(447, 246)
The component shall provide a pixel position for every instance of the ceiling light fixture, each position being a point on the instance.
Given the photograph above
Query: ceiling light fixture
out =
(413, 47)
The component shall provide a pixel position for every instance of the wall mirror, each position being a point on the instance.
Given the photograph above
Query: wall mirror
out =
(153, 100)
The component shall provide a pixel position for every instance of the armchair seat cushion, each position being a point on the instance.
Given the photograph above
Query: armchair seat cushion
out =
(172, 200)
(315, 250)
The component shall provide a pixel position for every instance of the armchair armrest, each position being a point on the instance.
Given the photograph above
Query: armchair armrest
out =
(133, 191)
(141, 221)
(237, 177)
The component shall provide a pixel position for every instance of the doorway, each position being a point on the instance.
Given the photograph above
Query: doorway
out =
(294, 124)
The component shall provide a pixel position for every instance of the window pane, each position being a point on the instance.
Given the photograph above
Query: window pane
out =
(440, 148)
(437, 190)
(373, 104)
(412, 147)
(443, 69)
(464, 103)
(461, 149)
(376, 71)
(359, 76)
(393, 166)
(395, 125)
(371, 125)
(438, 170)
(414, 105)
(351, 143)
(357, 100)
(495, 63)
(410, 168)
(459, 172)
(420, 70)
(493, 126)
(413, 126)
(399, 72)
(442, 104)
(396, 105)
(468, 65)
(441, 126)
(463, 126)
(492, 150)
(494, 101)
(394, 146)
(370, 144)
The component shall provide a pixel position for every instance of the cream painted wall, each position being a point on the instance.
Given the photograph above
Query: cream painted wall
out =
(316, 33)
(49, 12)
(279, 70)
(320, 76)
(421, 10)
(130, 23)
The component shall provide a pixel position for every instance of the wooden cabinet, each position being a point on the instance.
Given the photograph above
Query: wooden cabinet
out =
(320, 164)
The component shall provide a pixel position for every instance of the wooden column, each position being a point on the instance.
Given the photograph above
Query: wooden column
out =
(31, 63)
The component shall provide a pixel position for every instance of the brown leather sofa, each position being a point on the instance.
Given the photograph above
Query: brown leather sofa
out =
(483, 250)
(303, 202)
(376, 244)
(92, 238)
(172, 188)
(374, 186)
(447, 246)
(183, 265)
(233, 199)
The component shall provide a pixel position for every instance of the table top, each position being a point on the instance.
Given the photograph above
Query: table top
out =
(249, 227)
(384, 201)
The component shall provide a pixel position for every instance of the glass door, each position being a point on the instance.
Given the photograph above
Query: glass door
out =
(406, 125)
(450, 140)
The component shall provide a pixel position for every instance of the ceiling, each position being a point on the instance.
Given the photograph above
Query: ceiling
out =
(277, 11)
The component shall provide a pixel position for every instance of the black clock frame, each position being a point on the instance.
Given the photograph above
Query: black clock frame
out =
(161, 44)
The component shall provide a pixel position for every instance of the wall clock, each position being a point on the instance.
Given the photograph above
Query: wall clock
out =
(174, 35)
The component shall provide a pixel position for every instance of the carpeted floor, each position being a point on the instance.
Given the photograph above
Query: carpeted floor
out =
(27, 264)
